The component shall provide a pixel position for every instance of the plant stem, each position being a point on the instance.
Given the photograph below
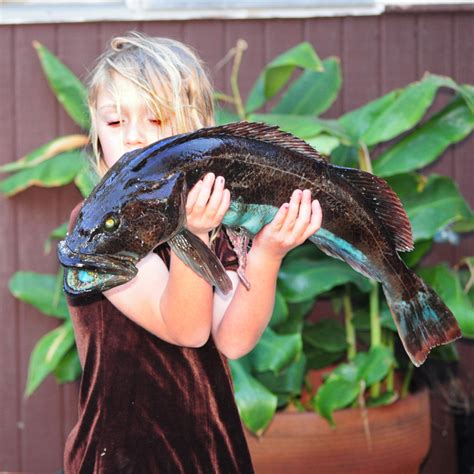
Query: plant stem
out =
(348, 320)
(391, 372)
(365, 164)
(407, 380)
(239, 49)
(375, 329)
(224, 97)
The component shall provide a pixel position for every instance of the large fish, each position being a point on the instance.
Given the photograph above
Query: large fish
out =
(140, 203)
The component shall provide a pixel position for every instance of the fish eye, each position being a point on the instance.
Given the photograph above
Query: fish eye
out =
(111, 223)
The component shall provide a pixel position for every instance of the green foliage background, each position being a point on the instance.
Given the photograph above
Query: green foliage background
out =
(394, 136)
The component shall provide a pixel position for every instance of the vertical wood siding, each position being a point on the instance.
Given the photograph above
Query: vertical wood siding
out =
(377, 55)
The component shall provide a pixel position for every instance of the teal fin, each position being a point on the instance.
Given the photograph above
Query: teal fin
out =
(200, 258)
(422, 319)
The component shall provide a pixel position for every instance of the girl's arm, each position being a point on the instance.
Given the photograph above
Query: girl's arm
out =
(176, 306)
(240, 320)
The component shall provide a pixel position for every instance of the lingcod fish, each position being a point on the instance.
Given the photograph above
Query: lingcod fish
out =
(140, 204)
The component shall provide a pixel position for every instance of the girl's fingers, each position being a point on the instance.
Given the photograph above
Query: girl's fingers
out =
(224, 206)
(204, 193)
(216, 197)
(293, 210)
(193, 195)
(304, 214)
(280, 216)
(316, 219)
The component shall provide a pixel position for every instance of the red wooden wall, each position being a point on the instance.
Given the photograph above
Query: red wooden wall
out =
(377, 54)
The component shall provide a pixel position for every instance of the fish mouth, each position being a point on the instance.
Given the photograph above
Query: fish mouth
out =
(90, 273)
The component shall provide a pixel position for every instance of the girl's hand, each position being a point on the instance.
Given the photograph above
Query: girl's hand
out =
(292, 225)
(206, 205)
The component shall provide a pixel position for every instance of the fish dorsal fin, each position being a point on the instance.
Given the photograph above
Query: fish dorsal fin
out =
(260, 131)
(383, 200)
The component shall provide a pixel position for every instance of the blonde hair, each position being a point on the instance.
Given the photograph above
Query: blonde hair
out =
(168, 74)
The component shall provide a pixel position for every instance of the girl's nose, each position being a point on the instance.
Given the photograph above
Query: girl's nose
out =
(134, 134)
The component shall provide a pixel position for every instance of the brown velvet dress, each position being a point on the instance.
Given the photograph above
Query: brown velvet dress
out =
(147, 406)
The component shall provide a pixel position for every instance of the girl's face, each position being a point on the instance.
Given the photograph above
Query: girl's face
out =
(124, 122)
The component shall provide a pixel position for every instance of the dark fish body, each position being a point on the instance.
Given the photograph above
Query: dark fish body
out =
(143, 195)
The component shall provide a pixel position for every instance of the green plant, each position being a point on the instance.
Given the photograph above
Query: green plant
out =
(396, 130)
(57, 163)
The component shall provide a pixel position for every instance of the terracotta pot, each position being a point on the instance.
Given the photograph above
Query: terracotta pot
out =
(305, 443)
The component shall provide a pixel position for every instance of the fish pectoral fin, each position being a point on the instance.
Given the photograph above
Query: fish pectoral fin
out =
(239, 238)
(200, 258)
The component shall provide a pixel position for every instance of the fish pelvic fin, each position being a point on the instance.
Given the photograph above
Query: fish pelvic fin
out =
(381, 198)
(200, 258)
(423, 320)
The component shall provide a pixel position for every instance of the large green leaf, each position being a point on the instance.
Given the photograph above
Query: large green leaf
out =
(256, 404)
(313, 92)
(45, 152)
(277, 73)
(326, 334)
(69, 367)
(336, 393)
(324, 143)
(407, 110)
(86, 180)
(427, 142)
(302, 126)
(374, 365)
(47, 354)
(344, 155)
(448, 286)
(40, 291)
(301, 280)
(288, 382)
(57, 171)
(224, 115)
(69, 90)
(358, 121)
(280, 310)
(430, 205)
(275, 351)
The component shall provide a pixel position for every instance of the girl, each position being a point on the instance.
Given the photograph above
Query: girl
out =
(156, 393)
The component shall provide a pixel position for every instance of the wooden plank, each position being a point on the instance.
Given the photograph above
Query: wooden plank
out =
(36, 119)
(434, 55)
(398, 43)
(201, 36)
(360, 61)
(164, 29)
(463, 72)
(325, 34)
(78, 48)
(10, 393)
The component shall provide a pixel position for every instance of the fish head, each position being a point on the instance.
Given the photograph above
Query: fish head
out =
(116, 227)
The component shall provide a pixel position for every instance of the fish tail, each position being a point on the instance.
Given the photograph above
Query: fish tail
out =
(422, 319)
